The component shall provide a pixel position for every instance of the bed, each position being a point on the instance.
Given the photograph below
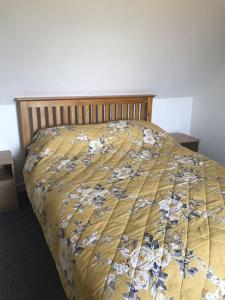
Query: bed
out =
(127, 212)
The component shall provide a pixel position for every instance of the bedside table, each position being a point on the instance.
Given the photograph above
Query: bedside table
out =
(187, 141)
(8, 197)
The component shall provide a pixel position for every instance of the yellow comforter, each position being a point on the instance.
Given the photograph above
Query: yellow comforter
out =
(128, 213)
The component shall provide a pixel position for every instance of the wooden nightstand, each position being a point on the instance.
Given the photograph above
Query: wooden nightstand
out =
(187, 141)
(8, 197)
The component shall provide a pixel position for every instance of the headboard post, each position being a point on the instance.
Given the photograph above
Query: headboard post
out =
(24, 121)
(42, 112)
(149, 108)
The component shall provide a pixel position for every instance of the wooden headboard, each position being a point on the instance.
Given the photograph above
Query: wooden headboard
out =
(38, 113)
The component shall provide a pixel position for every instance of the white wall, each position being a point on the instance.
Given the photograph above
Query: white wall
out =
(173, 115)
(9, 136)
(208, 117)
(74, 47)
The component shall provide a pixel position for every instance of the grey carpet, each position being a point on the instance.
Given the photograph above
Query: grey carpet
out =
(27, 269)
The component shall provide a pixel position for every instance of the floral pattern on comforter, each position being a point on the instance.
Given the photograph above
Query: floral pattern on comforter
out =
(128, 213)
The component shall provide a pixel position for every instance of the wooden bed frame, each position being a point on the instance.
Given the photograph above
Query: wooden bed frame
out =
(38, 113)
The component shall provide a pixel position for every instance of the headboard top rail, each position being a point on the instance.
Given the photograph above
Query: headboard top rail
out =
(82, 97)
(41, 112)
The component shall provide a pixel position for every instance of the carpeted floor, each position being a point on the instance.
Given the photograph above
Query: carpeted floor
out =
(27, 270)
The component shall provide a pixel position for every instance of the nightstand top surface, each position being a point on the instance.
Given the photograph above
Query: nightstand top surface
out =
(5, 157)
(184, 138)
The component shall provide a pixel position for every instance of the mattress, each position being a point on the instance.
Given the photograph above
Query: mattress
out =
(128, 213)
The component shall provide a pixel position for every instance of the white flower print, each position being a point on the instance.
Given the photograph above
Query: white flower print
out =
(137, 142)
(153, 137)
(66, 221)
(64, 163)
(148, 137)
(111, 281)
(91, 239)
(125, 251)
(188, 159)
(146, 257)
(143, 154)
(118, 125)
(212, 296)
(81, 138)
(46, 152)
(34, 157)
(186, 175)
(96, 146)
(120, 269)
(216, 282)
(171, 208)
(88, 196)
(141, 279)
(124, 172)
(141, 203)
(100, 145)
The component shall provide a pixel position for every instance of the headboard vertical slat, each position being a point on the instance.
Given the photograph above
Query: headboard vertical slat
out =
(50, 117)
(119, 112)
(42, 117)
(65, 115)
(36, 113)
(131, 111)
(58, 115)
(73, 115)
(100, 113)
(34, 119)
(107, 112)
(94, 114)
(137, 111)
(113, 112)
(80, 114)
(125, 111)
(87, 114)
(103, 113)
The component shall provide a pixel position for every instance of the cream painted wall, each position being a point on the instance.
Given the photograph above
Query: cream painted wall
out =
(174, 114)
(208, 117)
(9, 136)
(74, 47)
(163, 115)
